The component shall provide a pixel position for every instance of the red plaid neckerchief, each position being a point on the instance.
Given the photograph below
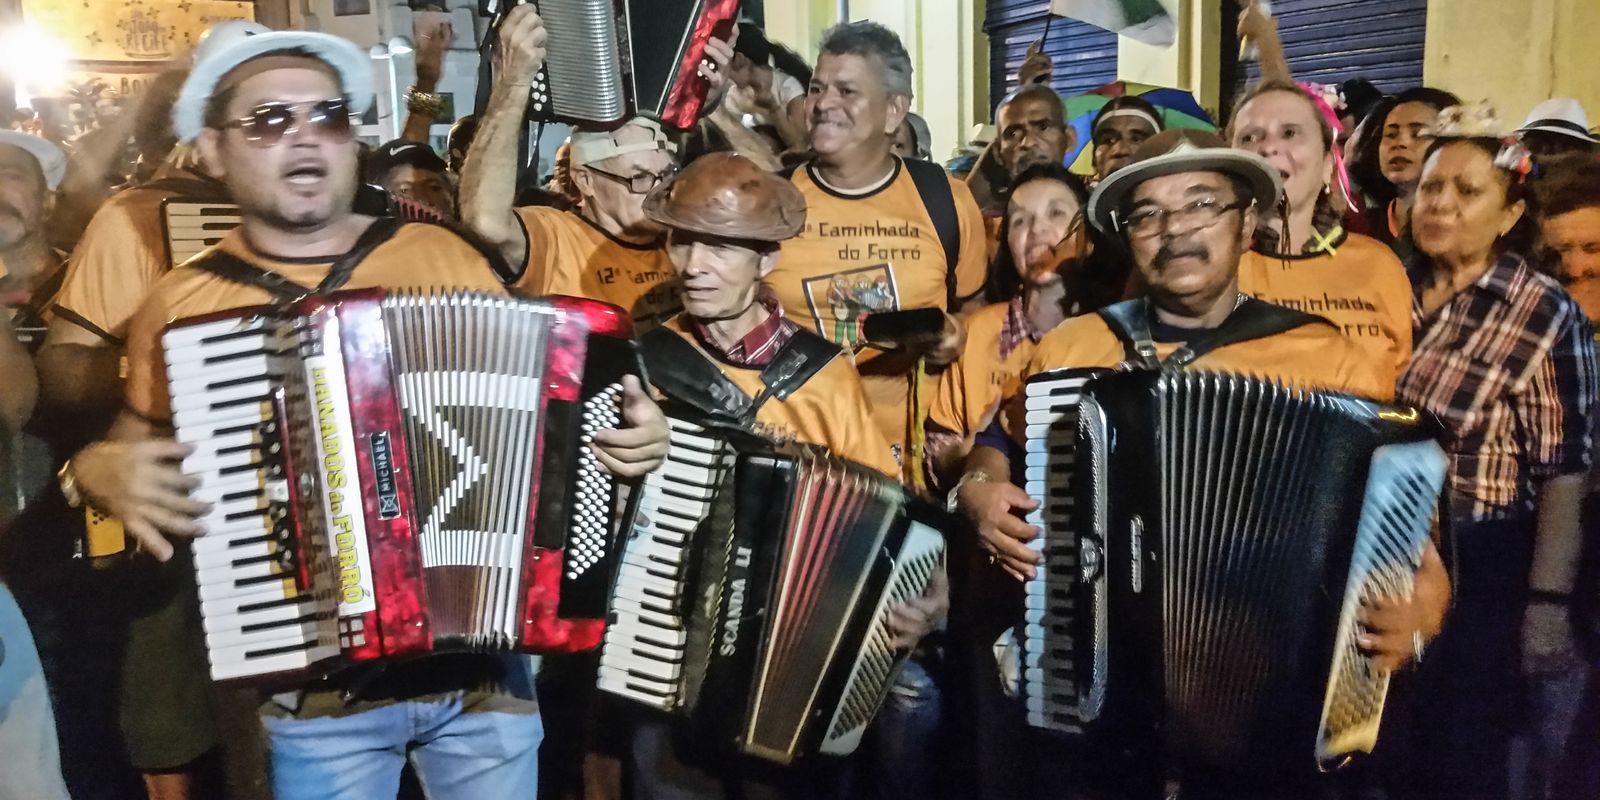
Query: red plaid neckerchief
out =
(757, 348)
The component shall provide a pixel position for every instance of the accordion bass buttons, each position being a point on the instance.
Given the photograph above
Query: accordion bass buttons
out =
(1136, 553)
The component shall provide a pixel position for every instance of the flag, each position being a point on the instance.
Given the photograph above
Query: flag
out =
(1146, 21)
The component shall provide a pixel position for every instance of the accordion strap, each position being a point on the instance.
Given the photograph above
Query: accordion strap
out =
(686, 374)
(1252, 319)
(233, 268)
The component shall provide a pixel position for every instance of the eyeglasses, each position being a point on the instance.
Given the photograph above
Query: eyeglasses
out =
(1197, 215)
(268, 123)
(641, 183)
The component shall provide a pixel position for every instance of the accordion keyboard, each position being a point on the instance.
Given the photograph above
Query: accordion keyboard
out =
(257, 615)
(645, 642)
(1048, 684)
(192, 227)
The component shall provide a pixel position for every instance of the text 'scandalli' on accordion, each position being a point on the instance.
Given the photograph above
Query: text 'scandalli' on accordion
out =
(607, 61)
(1208, 541)
(395, 474)
(754, 591)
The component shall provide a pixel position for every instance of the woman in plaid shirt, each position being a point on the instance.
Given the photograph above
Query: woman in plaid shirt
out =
(1506, 359)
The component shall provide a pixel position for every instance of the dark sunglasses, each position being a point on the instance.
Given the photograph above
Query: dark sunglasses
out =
(268, 123)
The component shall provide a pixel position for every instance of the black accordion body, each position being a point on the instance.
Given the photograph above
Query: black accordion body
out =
(753, 594)
(1208, 540)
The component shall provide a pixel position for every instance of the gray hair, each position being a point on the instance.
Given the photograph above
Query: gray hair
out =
(868, 39)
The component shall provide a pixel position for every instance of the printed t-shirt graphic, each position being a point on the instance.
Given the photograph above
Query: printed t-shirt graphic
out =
(570, 255)
(877, 251)
(1361, 288)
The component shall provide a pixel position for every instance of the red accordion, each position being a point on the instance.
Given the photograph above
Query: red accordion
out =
(395, 474)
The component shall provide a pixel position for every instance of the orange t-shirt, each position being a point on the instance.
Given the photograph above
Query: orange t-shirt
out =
(875, 251)
(122, 254)
(419, 256)
(1361, 288)
(1310, 356)
(570, 255)
(972, 387)
(829, 409)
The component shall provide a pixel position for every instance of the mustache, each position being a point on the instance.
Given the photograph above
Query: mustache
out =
(1172, 251)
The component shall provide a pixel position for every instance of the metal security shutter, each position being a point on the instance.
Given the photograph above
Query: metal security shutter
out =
(1084, 56)
(1328, 41)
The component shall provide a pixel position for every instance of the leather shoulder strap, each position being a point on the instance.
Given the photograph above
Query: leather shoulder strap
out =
(804, 355)
(233, 268)
(683, 373)
(1253, 319)
(933, 186)
(1130, 321)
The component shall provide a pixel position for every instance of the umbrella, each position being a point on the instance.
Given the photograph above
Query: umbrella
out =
(1178, 109)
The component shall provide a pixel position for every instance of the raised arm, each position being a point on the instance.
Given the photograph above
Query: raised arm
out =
(433, 35)
(489, 176)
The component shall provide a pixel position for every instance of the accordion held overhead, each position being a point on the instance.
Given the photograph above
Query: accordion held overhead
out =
(1208, 541)
(754, 592)
(607, 61)
(399, 473)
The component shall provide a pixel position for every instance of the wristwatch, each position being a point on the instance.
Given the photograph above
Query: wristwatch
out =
(68, 480)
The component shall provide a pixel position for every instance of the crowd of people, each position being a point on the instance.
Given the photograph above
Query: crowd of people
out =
(1402, 247)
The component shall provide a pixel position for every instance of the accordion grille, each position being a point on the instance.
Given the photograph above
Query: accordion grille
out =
(468, 371)
(877, 663)
(584, 74)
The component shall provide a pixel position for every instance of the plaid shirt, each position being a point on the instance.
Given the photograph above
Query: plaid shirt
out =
(1508, 365)
(757, 348)
(1016, 329)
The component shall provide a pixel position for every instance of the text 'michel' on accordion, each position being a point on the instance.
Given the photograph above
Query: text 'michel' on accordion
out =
(1200, 593)
(754, 593)
(607, 61)
(399, 473)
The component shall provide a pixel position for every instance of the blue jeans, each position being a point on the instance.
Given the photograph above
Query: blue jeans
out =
(901, 762)
(32, 762)
(457, 752)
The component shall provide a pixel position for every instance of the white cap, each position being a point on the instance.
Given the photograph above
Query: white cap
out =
(52, 161)
(1562, 115)
(229, 44)
(588, 147)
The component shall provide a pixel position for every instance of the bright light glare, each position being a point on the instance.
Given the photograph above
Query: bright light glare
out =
(33, 58)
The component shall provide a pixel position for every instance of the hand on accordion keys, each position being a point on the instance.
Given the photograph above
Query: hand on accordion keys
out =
(638, 449)
(142, 484)
(996, 509)
(911, 621)
(1394, 628)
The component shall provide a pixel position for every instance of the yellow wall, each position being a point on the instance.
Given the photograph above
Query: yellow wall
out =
(949, 52)
(1515, 54)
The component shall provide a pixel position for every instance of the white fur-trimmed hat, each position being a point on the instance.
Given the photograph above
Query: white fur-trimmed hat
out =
(231, 44)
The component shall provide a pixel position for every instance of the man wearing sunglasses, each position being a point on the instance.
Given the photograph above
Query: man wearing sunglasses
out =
(1185, 207)
(270, 115)
(607, 249)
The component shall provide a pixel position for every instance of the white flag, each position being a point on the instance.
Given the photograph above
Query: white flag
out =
(1146, 21)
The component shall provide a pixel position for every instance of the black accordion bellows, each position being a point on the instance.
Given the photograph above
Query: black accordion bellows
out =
(1226, 531)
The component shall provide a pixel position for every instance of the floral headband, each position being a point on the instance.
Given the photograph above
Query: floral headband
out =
(1328, 101)
(1479, 121)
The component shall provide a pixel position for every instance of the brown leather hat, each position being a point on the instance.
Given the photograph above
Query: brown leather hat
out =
(726, 194)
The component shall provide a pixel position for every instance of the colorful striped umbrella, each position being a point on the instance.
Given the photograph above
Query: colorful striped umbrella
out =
(1178, 109)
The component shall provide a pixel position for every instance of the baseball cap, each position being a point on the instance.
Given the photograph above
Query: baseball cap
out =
(231, 44)
(589, 147)
(403, 152)
(52, 161)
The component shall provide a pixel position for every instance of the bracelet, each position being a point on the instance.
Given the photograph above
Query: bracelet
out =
(424, 103)
(1548, 598)
(975, 476)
